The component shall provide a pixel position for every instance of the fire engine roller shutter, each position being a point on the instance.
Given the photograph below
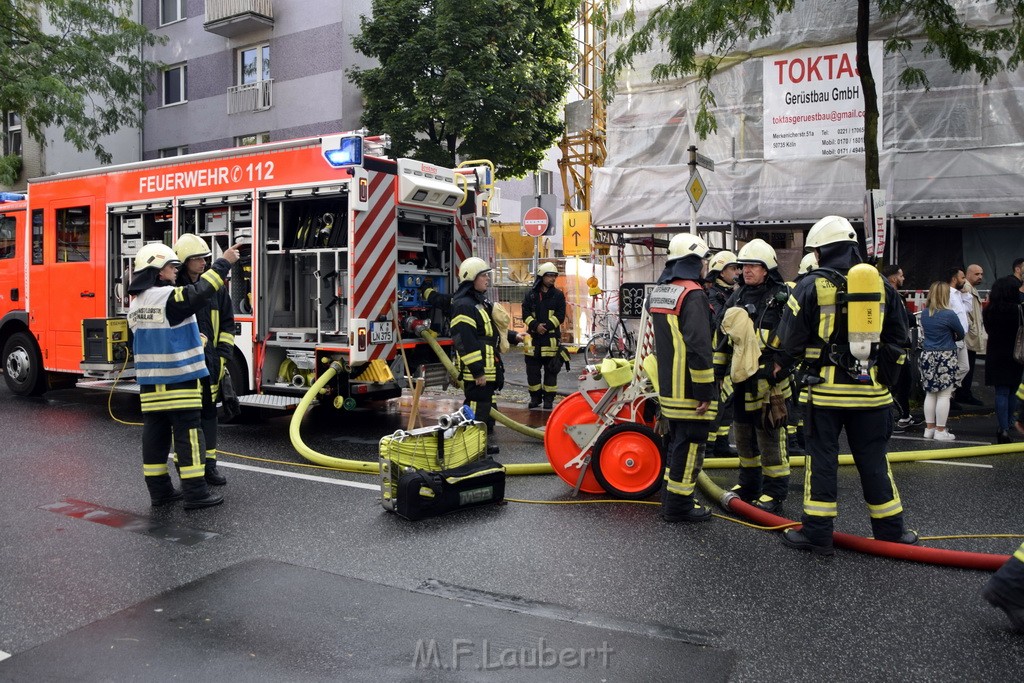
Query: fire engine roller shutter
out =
(373, 268)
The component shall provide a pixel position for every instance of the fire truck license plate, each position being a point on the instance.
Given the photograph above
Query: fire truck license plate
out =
(382, 332)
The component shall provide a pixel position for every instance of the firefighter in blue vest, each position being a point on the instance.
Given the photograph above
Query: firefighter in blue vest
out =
(688, 394)
(749, 322)
(169, 364)
(216, 329)
(543, 315)
(848, 370)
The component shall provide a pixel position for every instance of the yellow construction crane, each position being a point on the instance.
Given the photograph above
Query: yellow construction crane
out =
(583, 143)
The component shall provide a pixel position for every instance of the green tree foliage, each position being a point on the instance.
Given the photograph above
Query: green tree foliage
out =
(467, 80)
(84, 73)
(700, 34)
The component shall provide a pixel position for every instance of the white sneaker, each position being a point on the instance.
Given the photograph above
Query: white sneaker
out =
(929, 433)
(944, 435)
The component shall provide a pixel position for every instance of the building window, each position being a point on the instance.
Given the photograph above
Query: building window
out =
(254, 64)
(254, 139)
(73, 234)
(14, 134)
(168, 152)
(171, 11)
(542, 182)
(175, 84)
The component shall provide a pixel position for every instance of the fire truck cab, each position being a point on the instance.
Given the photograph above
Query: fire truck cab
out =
(343, 241)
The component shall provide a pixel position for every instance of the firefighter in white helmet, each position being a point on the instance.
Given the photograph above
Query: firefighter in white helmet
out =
(751, 317)
(543, 315)
(808, 263)
(681, 316)
(477, 340)
(845, 391)
(169, 364)
(723, 272)
(216, 328)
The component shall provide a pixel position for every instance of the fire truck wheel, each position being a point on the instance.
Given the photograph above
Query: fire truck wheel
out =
(629, 461)
(23, 365)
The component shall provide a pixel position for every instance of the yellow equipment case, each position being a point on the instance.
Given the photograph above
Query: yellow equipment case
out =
(435, 470)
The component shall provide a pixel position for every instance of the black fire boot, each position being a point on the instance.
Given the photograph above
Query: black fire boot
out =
(213, 475)
(774, 491)
(722, 448)
(161, 490)
(549, 400)
(749, 486)
(794, 445)
(536, 397)
(680, 508)
(797, 539)
(198, 494)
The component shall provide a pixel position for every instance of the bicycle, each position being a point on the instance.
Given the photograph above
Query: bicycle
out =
(614, 340)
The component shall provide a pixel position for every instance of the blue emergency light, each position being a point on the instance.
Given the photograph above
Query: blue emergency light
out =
(343, 151)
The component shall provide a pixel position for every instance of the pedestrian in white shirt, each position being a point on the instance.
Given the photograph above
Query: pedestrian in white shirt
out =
(956, 279)
(976, 337)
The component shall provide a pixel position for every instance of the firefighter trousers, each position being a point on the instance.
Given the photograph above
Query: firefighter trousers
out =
(480, 400)
(868, 432)
(767, 473)
(686, 442)
(538, 369)
(722, 423)
(209, 419)
(189, 443)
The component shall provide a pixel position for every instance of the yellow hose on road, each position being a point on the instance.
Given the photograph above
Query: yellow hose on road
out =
(898, 456)
(358, 466)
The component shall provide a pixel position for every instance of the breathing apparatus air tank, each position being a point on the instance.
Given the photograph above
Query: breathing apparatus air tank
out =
(864, 296)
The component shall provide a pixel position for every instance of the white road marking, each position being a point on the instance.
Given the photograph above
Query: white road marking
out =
(958, 464)
(298, 475)
(4, 655)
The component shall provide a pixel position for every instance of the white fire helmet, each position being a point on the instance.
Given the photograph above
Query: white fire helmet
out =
(758, 251)
(155, 255)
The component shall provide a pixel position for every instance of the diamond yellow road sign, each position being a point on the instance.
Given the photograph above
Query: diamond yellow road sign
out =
(576, 233)
(696, 190)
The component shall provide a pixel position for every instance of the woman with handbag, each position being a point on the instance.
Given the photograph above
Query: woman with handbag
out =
(1002, 318)
(942, 330)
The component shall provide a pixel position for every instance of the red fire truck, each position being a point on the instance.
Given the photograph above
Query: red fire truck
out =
(342, 240)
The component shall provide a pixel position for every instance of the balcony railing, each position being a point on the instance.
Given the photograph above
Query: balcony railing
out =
(230, 18)
(251, 97)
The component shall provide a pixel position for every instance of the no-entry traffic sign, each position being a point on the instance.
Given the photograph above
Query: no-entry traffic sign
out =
(535, 221)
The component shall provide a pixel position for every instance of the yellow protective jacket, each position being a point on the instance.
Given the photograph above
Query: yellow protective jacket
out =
(548, 308)
(681, 315)
(475, 334)
(813, 331)
(764, 304)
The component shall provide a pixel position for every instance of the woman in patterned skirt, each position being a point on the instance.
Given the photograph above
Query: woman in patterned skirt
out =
(942, 330)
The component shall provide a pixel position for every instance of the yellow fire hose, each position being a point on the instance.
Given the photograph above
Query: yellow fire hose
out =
(362, 467)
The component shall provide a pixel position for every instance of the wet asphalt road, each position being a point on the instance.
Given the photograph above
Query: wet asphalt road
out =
(759, 610)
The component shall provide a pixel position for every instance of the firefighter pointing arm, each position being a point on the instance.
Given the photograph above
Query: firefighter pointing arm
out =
(169, 364)
(216, 322)
(845, 328)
